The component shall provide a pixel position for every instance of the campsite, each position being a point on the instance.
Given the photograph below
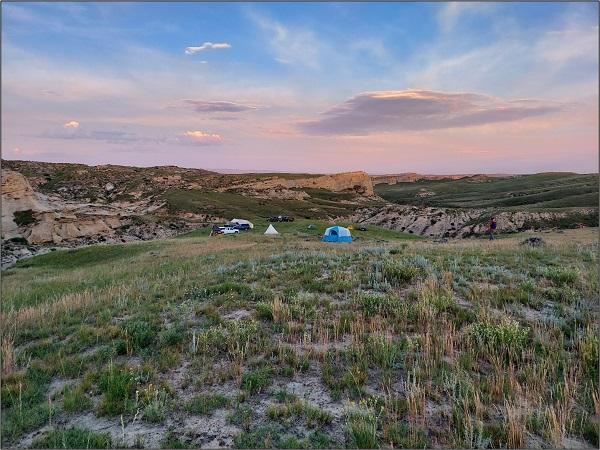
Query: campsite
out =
(301, 228)
(300, 225)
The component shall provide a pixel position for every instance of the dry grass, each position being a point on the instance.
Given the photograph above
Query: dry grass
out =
(259, 319)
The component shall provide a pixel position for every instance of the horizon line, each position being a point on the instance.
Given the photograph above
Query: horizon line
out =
(226, 171)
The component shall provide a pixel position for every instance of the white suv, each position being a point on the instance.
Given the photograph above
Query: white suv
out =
(229, 230)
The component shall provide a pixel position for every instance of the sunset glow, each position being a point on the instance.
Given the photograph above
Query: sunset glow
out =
(385, 88)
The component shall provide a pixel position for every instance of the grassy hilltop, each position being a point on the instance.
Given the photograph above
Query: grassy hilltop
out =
(528, 192)
(255, 341)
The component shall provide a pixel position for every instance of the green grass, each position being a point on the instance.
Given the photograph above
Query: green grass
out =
(87, 256)
(421, 344)
(206, 404)
(117, 384)
(73, 438)
(299, 228)
(546, 190)
(230, 205)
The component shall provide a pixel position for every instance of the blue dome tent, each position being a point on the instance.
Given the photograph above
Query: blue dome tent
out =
(337, 234)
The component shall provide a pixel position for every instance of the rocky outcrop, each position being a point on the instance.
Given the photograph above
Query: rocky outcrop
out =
(446, 222)
(411, 177)
(358, 182)
(18, 196)
(57, 227)
(434, 222)
(355, 182)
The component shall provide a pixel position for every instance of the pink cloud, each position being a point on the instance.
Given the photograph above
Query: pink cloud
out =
(203, 138)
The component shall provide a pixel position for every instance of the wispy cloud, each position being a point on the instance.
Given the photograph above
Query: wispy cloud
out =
(206, 46)
(290, 46)
(572, 43)
(207, 106)
(108, 136)
(71, 124)
(388, 111)
(373, 47)
(203, 138)
(450, 13)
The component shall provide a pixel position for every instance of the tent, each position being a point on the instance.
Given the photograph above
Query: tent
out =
(271, 230)
(337, 234)
(243, 221)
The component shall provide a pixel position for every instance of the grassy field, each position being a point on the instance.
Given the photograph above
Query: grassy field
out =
(251, 341)
(226, 204)
(299, 228)
(545, 190)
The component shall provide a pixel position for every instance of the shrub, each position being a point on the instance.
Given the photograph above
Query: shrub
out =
(383, 350)
(154, 403)
(318, 439)
(262, 437)
(241, 416)
(172, 441)
(372, 304)
(361, 430)
(229, 287)
(508, 335)
(401, 436)
(264, 311)
(588, 351)
(171, 336)
(398, 273)
(116, 384)
(22, 218)
(73, 438)
(205, 404)
(75, 399)
(139, 334)
(562, 275)
(256, 380)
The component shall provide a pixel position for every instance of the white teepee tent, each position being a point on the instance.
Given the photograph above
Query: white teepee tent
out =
(271, 230)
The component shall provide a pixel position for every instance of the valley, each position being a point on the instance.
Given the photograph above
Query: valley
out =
(54, 205)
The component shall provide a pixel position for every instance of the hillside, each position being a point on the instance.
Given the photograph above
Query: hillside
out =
(69, 205)
(539, 191)
(252, 341)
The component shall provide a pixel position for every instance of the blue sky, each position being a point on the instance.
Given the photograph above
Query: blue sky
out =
(382, 87)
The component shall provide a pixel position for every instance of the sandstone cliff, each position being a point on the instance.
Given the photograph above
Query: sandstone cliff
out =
(354, 182)
(358, 182)
(447, 222)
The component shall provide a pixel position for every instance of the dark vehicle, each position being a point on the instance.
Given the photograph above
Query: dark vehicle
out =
(281, 219)
(240, 226)
(215, 230)
(362, 228)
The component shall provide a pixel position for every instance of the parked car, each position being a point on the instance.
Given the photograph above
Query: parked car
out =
(229, 230)
(240, 226)
(281, 219)
(362, 228)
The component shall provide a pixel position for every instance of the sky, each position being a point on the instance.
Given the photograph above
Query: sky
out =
(304, 87)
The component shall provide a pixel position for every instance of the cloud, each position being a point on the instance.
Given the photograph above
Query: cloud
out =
(290, 46)
(373, 47)
(71, 124)
(206, 46)
(108, 136)
(202, 138)
(573, 43)
(205, 106)
(450, 13)
(388, 111)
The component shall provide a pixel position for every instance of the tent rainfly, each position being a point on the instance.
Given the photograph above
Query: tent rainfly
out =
(337, 234)
(243, 221)
(271, 230)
